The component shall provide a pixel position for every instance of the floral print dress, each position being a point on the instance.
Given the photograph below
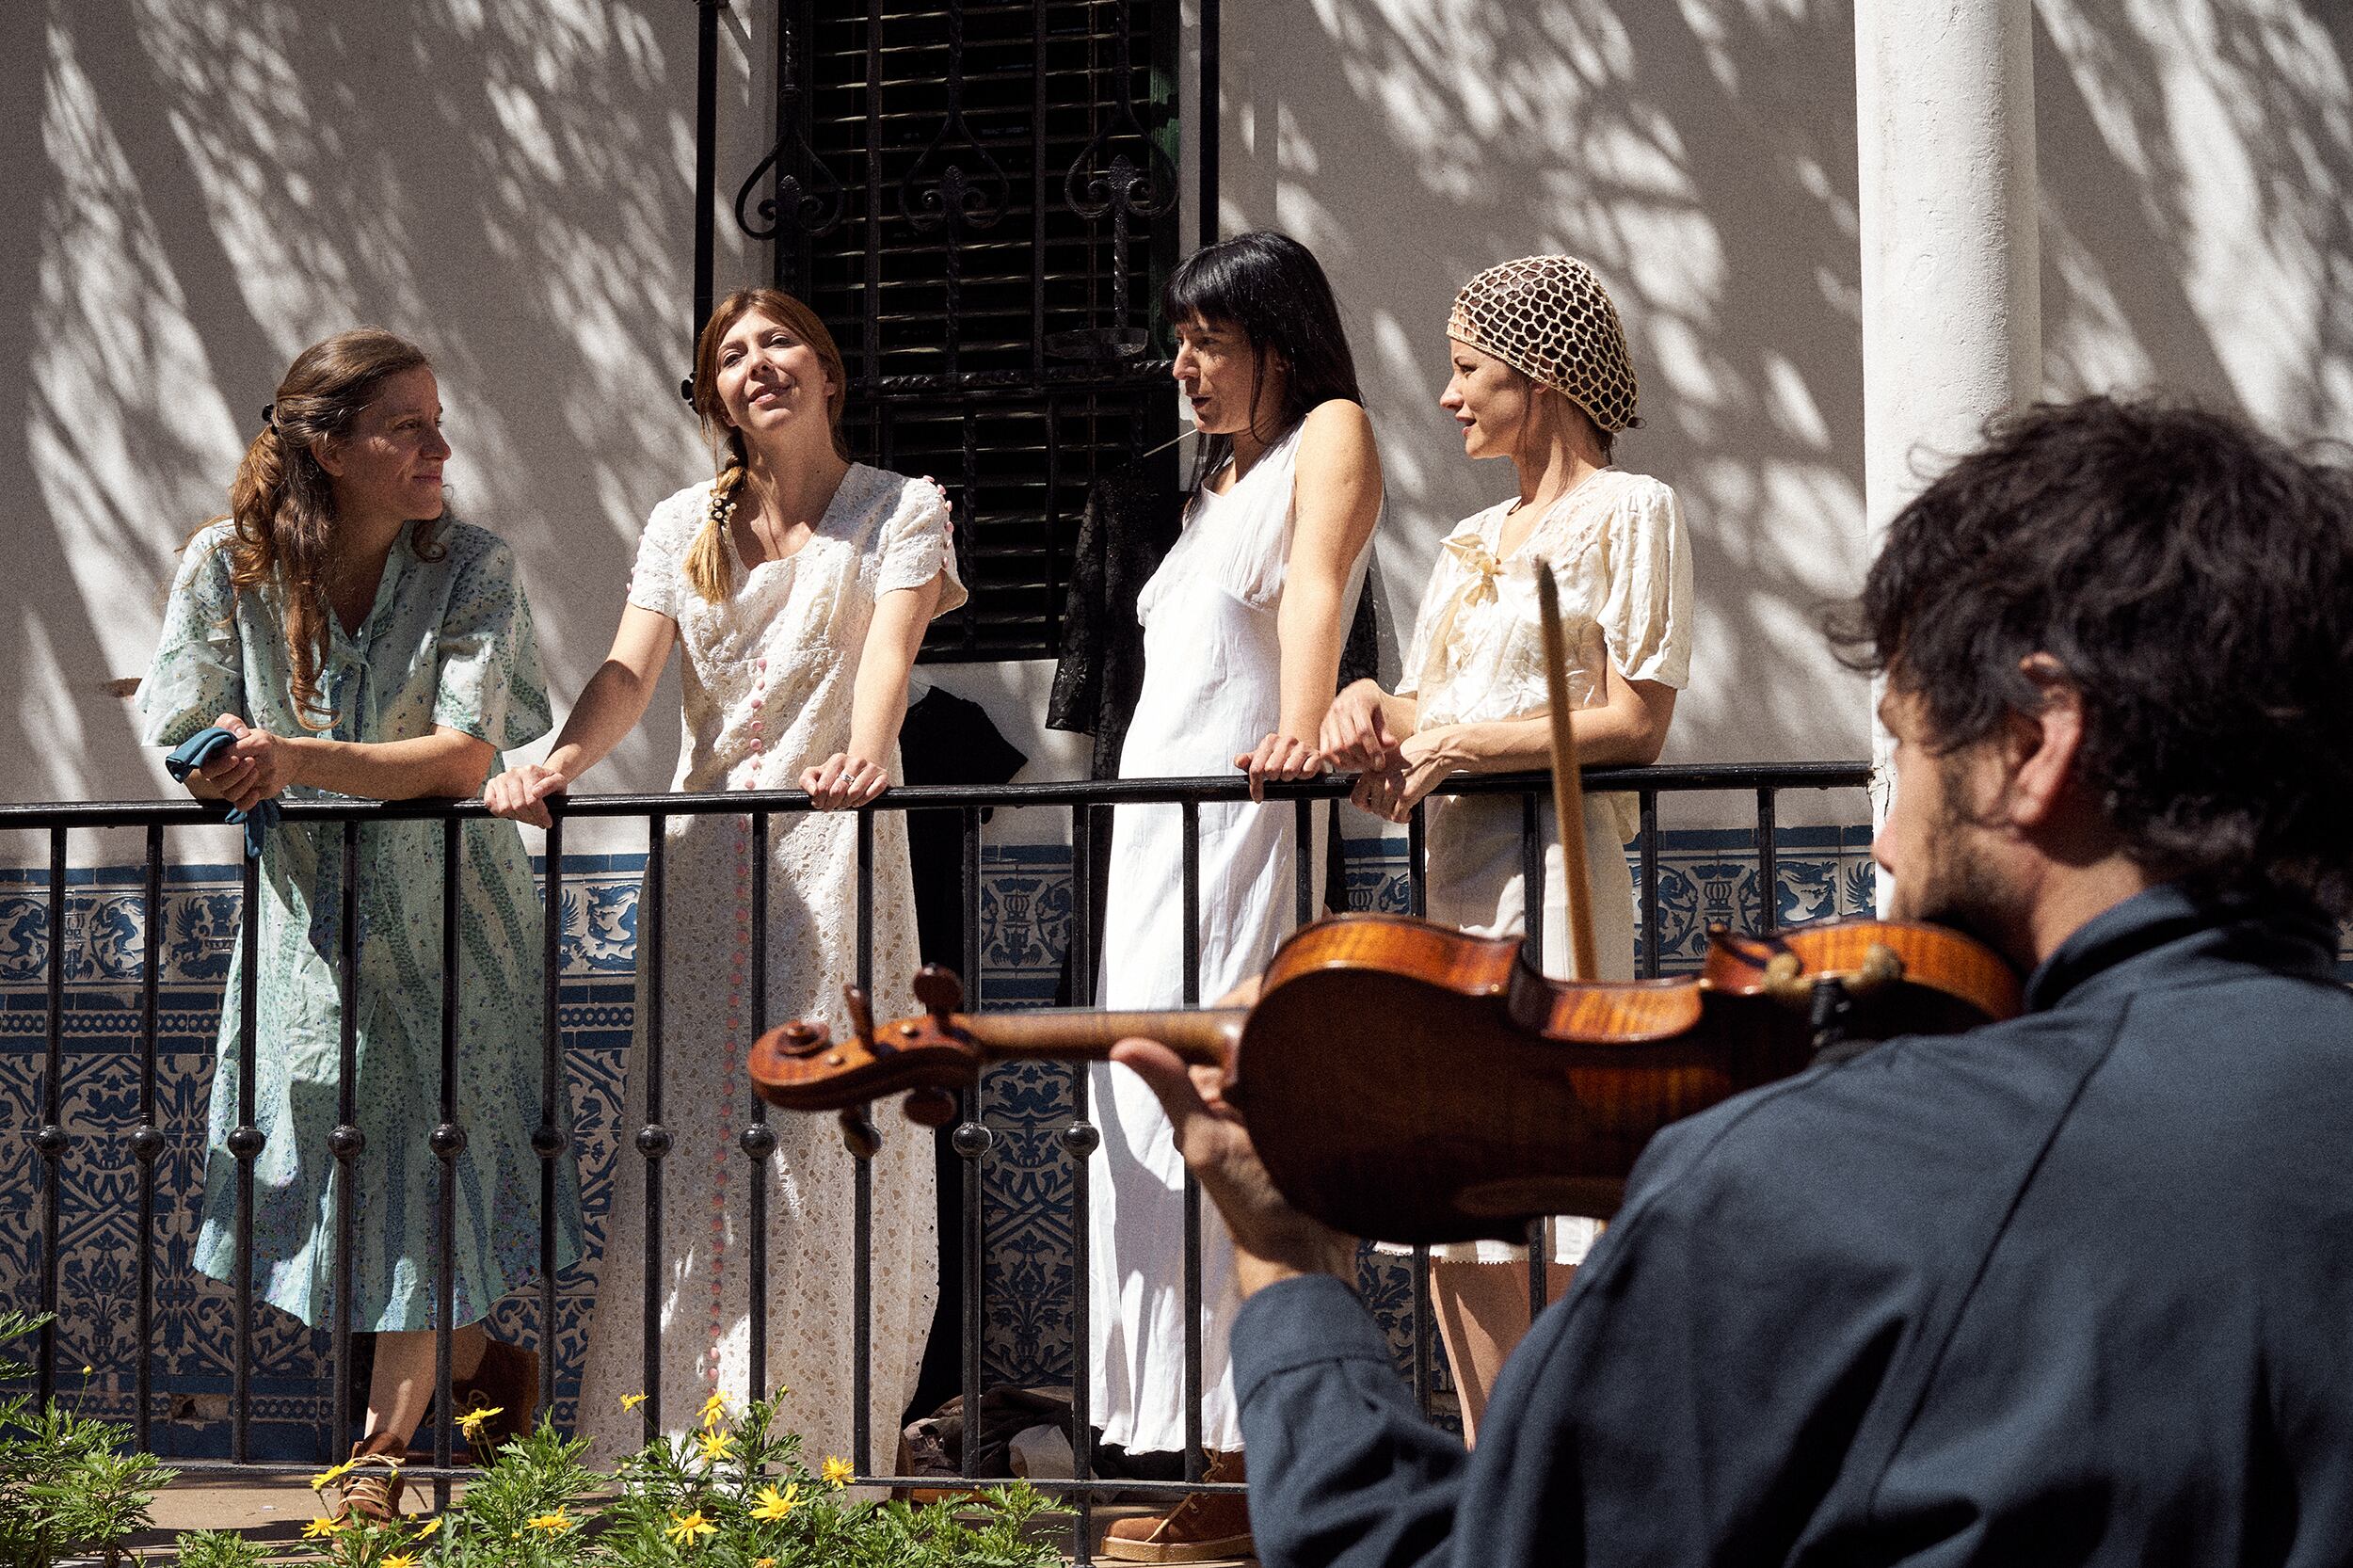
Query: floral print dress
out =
(448, 643)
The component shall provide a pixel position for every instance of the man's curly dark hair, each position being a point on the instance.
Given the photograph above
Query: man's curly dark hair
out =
(2195, 579)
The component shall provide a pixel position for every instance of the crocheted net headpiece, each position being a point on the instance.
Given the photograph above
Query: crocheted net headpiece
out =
(1549, 318)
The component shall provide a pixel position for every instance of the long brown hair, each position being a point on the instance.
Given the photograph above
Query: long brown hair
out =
(282, 502)
(709, 565)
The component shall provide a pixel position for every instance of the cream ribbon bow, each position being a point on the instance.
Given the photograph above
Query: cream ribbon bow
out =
(1478, 588)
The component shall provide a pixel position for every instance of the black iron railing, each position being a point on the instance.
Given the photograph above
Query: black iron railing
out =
(53, 1139)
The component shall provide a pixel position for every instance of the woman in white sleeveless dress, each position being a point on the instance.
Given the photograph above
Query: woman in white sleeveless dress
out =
(797, 585)
(1542, 376)
(1243, 629)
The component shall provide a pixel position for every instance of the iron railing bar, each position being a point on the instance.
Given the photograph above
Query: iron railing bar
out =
(1532, 889)
(971, 1141)
(1649, 798)
(50, 1143)
(346, 1140)
(1078, 1141)
(1207, 789)
(1194, 1461)
(449, 1142)
(1302, 861)
(552, 1142)
(759, 1140)
(653, 1139)
(148, 1141)
(1768, 862)
(1205, 148)
(862, 1174)
(245, 1145)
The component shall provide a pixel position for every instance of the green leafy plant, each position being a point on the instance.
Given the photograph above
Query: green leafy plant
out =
(69, 1486)
(736, 1494)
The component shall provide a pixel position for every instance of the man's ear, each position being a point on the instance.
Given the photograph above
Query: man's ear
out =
(2042, 747)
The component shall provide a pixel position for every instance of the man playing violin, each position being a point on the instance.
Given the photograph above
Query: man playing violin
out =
(2075, 1288)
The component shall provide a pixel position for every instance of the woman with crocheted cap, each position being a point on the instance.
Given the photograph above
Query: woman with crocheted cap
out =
(1542, 376)
(797, 585)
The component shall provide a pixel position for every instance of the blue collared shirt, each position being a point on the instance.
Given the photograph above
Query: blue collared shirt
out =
(2072, 1288)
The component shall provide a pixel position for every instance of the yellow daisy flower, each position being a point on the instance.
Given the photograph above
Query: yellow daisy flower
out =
(398, 1560)
(471, 1422)
(773, 1504)
(687, 1528)
(432, 1527)
(552, 1524)
(763, 1563)
(838, 1471)
(319, 1529)
(714, 1410)
(715, 1445)
(333, 1474)
(631, 1402)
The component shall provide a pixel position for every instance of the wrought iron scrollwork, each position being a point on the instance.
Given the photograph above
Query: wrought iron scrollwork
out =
(951, 196)
(1107, 179)
(801, 205)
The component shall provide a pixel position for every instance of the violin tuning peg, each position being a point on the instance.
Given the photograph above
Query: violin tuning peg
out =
(858, 1133)
(931, 1107)
(939, 990)
(861, 1015)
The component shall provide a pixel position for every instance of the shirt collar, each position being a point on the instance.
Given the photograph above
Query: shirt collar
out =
(2122, 939)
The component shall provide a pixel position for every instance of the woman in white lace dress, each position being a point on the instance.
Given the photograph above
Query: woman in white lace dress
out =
(1542, 376)
(798, 584)
(1243, 627)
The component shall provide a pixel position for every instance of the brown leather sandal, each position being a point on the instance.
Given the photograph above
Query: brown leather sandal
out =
(369, 1487)
(1203, 1527)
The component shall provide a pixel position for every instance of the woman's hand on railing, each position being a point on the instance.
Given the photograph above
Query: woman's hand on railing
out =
(1280, 756)
(257, 768)
(521, 793)
(1355, 733)
(1423, 763)
(843, 780)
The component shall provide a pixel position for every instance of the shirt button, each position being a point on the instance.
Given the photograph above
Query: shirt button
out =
(755, 744)
(760, 665)
(754, 705)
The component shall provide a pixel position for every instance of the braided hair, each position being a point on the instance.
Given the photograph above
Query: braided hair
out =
(709, 563)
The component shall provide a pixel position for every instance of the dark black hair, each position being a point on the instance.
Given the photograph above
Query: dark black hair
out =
(1270, 288)
(2194, 578)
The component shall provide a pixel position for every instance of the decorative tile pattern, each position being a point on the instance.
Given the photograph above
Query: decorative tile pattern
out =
(1026, 1176)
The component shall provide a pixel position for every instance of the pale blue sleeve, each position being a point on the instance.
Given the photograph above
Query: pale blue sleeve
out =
(198, 669)
(490, 683)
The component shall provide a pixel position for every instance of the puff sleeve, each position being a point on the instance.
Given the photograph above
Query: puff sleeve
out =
(658, 579)
(1647, 615)
(489, 681)
(915, 547)
(198, 669)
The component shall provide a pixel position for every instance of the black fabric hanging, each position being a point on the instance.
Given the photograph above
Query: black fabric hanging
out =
(946, 740)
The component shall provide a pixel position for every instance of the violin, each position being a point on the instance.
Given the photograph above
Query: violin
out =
(1408, 1081)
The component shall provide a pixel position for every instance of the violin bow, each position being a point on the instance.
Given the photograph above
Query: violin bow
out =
(1568, 788)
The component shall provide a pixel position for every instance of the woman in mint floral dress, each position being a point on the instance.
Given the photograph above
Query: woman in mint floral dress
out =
(357, 644)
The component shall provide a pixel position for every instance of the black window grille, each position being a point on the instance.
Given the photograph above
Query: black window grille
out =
(981, 200)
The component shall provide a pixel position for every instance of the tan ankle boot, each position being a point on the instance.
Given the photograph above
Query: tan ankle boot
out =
(1203, 1527)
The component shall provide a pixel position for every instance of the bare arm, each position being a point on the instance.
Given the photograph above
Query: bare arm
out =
(261, 765)
(609, 708)
(1335, 501)
(879, 700)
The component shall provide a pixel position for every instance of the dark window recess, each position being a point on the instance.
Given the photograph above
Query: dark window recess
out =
(981, 200)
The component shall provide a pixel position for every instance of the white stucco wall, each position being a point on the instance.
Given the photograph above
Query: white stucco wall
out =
(201, 187)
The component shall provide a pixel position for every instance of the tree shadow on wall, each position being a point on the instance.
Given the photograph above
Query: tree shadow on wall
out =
(217, 186)
(1702, 158)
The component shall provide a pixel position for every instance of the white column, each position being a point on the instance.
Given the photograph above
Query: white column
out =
(1952, 311)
